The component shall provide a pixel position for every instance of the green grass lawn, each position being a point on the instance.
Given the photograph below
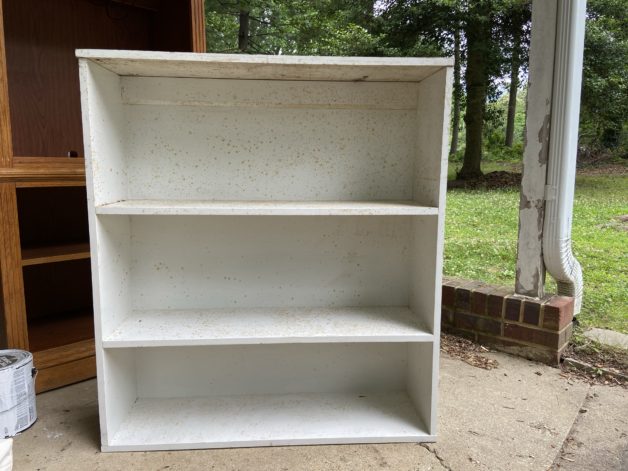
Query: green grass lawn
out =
(481, 242)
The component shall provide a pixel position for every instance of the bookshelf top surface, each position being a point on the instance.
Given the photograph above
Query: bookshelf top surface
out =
(263, 67)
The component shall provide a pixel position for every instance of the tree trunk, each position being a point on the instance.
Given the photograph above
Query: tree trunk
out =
(455, 125)
(514, 84)
(243, 33)
(479, 39)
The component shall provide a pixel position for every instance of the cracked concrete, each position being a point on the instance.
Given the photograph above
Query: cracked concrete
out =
(590, 446)
(432, 449)
(514, 417)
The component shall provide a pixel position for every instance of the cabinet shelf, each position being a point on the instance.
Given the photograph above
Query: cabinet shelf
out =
(54, 253)
(57, 330)
(267, 326)
(267, 208)
(268, 420)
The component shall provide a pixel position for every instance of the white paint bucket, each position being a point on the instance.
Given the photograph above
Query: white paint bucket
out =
(17, 392)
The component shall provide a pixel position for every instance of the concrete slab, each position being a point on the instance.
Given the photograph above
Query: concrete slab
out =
(608, 337)
(599, 437)
(511, 418)
(515, 417)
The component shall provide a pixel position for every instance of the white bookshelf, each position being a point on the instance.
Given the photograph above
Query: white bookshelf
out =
(266, 237)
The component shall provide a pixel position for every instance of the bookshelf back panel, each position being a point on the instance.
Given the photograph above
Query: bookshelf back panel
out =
(183, 262)
(268, 140)
(269, 369)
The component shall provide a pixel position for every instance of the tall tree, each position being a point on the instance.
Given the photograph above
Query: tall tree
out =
(457, 92)
(479, 51)
(517, 18)
(514, 87)
(243, 31)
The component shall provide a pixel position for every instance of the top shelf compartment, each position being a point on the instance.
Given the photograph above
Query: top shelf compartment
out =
(302, 130)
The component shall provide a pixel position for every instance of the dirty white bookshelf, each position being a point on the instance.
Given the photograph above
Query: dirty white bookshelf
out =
(267, 238)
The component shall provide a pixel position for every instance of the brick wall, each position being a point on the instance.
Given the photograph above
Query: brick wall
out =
(495, 316)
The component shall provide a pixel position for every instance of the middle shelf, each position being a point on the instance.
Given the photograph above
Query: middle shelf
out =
(267, 208)
(153, 328)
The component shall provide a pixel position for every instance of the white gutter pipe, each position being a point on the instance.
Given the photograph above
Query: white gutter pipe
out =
(563, 146)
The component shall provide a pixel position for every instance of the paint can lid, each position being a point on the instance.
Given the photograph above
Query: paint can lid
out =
(13, 358)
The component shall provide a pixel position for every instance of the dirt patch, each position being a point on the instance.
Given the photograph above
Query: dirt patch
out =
(511, 178)
(467, 351)
(605, 169)
(596, 364)
(600, 163)
(491, 180)
(619, 223)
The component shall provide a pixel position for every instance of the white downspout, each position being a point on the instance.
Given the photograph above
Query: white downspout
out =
(563, 146)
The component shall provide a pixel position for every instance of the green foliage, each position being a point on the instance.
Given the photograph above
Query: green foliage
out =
(495, 128)
(604, 115)
(322, 27)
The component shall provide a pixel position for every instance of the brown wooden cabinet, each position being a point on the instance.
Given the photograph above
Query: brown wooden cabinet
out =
(45, 295)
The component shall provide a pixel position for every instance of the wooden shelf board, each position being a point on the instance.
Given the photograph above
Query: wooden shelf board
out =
(267, 208)
(63, 365)
(267, 326)
(33, 169)
(54, 253)
(65, 373)
(57, 330)
(268, 420)
(49, 183)
(64, 354)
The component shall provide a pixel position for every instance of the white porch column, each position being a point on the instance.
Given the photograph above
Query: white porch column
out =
(547, 191)
(530, 275)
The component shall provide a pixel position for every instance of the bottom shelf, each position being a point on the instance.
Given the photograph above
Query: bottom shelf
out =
(268, 420)
(57, 330)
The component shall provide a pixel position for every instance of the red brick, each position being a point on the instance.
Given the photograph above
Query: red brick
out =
(463, 298)
(495, 302)
(512, 309)
(478, 324)
(530, 335)
(531, 312)
(447, 316)
(449, 296)
(565, 335)
(455, 282)
(479, 300)
(464, 293)
(557, 312)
